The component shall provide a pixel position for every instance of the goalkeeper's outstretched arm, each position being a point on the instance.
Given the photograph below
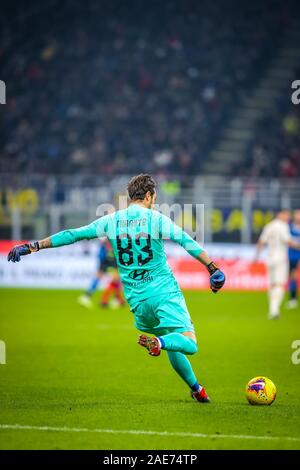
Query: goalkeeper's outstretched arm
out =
(170, 230)
(45, 243)
(216, 276)
(66, 237)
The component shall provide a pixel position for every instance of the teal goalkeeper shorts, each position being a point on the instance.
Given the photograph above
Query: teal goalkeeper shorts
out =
(163, 313)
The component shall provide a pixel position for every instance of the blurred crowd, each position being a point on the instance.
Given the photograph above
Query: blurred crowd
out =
(101, 87)
(275, 149)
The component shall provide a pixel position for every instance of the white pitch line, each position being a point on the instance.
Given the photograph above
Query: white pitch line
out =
(150, 433)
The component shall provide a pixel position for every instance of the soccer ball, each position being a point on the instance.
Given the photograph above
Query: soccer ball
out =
(260, 391)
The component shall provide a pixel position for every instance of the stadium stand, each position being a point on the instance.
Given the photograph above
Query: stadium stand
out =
(107, 89)
(275, 148)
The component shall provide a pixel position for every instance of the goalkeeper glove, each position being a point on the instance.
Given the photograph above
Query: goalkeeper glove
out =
(21, 250)
(216, 278)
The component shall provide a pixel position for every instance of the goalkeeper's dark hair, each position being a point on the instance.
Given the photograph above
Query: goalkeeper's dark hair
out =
(139, 185)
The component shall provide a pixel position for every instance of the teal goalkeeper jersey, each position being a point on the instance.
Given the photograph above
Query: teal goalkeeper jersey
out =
(137, 237)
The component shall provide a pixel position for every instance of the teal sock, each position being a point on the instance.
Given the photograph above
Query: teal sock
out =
(178, 343)
(183, 367)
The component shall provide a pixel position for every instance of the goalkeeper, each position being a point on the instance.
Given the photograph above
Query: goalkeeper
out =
(136, 235)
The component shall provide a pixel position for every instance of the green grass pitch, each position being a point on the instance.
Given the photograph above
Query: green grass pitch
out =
(68, 367)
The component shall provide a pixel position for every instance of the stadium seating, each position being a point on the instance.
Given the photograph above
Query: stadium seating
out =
(104, 89)
(275, 149)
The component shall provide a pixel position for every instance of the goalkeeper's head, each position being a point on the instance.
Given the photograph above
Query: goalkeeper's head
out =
(142, 189)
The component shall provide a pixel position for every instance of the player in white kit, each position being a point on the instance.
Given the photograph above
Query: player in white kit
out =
(276, 236)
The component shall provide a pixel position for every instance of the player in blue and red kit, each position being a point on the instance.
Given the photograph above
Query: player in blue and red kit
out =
(106, 265)
(294, 261)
